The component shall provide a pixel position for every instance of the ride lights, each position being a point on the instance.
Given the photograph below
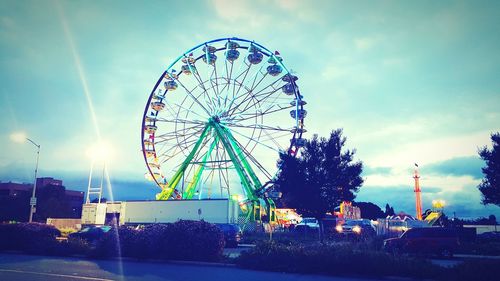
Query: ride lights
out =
(338, 228)
(356, 229)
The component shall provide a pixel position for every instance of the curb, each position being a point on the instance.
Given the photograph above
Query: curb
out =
(179, 262)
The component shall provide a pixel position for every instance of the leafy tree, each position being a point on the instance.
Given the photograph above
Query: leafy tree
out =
(490, 185)
(369, 210)
(492, 219)
(321, 178)
(389, 211)
(52, 203)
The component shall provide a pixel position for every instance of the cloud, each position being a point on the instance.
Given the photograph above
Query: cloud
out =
(365, 43)
(459, 166)
(464, 204)
(432, 190)
(431, 150)
(368, 170)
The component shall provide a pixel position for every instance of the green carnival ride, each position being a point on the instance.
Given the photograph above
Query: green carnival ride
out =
(214, 128)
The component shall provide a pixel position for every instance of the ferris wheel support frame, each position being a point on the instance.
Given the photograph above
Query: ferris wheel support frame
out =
(249, 179)
(223, 138)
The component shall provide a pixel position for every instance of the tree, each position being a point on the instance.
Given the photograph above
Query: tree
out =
(369, 210)
(389, 211)
(52, 203)
(321, 178)
(490, 185)
(492, 219)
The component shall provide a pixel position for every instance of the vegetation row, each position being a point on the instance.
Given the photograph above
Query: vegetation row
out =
(183, 240)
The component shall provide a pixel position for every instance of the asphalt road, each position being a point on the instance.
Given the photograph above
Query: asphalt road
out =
(23, 267)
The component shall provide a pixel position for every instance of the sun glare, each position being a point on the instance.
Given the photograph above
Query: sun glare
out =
(18, 137)
(100, 152)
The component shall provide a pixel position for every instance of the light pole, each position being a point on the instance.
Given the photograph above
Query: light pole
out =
(33, 198)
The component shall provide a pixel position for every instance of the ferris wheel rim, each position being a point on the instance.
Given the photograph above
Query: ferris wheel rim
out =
(263, 49)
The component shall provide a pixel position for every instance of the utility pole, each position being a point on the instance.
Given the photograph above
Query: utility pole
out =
(33, 198)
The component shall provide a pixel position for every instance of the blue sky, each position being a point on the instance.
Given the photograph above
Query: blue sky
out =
(409, 81)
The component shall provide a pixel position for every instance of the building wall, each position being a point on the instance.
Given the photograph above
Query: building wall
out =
(13, 189)
(15, 197)
(41, 182)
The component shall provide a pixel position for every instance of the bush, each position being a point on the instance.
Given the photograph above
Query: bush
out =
(34, 238)
(478, 269)
(183, 240)
(334, 259)
(488, 248)
(192, 240)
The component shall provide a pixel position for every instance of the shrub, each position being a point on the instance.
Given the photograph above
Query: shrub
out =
(478, 269)
(34, 238)
(183, 240)
(107, 246)
(191, 240)
(334, 259)
(74, 246)
(488, 248)
(8, 237)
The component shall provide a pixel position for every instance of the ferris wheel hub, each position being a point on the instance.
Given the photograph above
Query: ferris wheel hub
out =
(208, 130)
(215, 119)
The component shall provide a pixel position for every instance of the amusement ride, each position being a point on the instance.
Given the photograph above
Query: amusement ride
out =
(215, 123)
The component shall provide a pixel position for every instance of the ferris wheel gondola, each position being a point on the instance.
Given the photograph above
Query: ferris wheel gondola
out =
(215, 128)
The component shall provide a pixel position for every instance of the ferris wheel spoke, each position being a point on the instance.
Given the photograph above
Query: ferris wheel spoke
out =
(216, 83)
(218, 87)
(217, 157)
(249, 95)
(252, 158)
(273, 138)
(256, 141)
(188, 140)
(219, 102)
(176, 133)
(260, 110)
(269, 136)
(181, 150)
(229, 73)
(183, 143)
(165, 156)
(186, 109)
(256, 126)
(167, 144)
(201, 84)
(245, 74)
(257, 101)
(214, 87)
(178, 120)
(262, 114)
(193, 97)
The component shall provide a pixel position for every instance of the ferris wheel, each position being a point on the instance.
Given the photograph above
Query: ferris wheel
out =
(216, 120)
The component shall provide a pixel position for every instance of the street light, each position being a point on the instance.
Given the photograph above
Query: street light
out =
(33, 198)
(20, 137)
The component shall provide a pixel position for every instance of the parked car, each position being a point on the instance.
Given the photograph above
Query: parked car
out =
(91, 233)
(356, 228)
(232, 234)
(426, 240)
(307, 224)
